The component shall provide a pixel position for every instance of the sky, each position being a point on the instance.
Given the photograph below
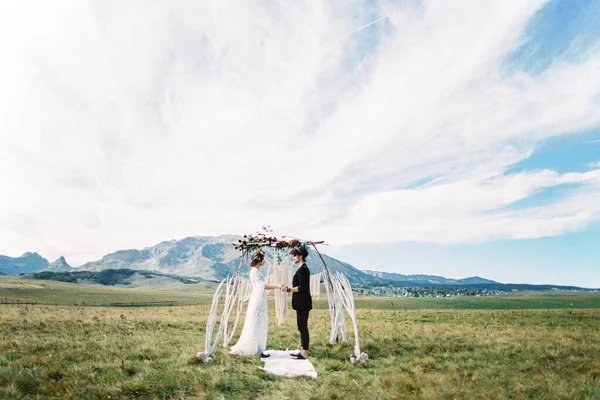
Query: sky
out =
(451, 138)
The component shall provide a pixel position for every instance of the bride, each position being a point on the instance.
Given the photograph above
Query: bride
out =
(253, 339)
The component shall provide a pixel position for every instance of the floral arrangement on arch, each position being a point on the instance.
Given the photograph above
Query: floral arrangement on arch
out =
(254, 242)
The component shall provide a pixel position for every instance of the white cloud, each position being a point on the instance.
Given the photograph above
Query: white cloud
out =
(124, 123)
(472, 210)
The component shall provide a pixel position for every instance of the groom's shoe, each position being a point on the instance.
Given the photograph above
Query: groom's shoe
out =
(263, 355)
(295, 355)
(300, 357)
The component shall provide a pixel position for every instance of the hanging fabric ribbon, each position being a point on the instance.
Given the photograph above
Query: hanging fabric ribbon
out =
(315, 285)
(282, 275)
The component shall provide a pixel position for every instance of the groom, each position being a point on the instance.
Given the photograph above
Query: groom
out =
(301, 299)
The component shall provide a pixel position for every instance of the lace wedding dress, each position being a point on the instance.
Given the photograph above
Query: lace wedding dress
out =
(253, 339)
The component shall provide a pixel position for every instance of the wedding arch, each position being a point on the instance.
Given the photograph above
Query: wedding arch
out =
(234, 290)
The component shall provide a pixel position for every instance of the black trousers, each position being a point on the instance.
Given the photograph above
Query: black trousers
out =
(302, 320)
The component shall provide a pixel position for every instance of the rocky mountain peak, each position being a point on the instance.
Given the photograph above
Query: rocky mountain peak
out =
(60, 265)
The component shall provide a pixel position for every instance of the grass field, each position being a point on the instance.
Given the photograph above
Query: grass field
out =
(62, 293)
(514, 347)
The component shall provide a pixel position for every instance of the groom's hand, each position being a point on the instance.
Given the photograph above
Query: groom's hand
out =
(283, 288)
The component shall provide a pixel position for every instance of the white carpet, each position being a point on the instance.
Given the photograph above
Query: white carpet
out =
(280, 363)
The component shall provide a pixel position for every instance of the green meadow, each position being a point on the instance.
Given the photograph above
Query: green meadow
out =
(102, 342)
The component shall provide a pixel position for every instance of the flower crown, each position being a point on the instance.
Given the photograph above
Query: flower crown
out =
(258, 256)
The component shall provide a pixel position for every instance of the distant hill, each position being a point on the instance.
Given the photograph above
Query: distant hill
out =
(427, 279)
(108, 277)
(28, 262)
(502, 287)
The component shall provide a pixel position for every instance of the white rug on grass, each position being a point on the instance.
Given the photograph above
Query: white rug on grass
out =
(280, 363)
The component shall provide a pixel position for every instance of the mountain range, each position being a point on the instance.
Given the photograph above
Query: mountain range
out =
(202, 257)
(211, 258)
(427, 279)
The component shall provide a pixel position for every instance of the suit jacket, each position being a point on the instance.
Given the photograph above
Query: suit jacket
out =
(302, 300)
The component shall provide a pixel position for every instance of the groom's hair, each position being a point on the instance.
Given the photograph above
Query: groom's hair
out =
(300, 251)
(257, 258)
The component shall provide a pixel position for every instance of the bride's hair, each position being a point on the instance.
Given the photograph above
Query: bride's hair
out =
(257, 258)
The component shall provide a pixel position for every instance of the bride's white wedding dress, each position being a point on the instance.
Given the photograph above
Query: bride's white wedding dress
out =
(253, 339)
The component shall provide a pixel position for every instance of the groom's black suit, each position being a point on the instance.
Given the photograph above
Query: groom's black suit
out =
(302, 302)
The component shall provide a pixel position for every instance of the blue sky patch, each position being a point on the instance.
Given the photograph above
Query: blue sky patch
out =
(569, 153)
(563, 29)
